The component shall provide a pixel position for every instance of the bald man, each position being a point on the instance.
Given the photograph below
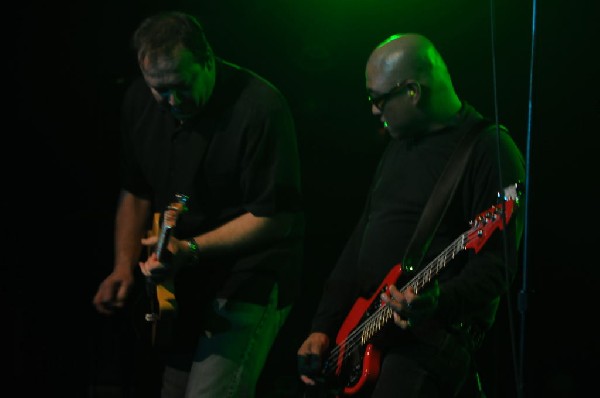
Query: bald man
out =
(426, 348)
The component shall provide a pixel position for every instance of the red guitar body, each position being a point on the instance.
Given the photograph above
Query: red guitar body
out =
(366, 360)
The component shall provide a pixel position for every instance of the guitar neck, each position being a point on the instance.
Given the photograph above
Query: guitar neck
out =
(169, 220)
(428, 272)
(163, 240)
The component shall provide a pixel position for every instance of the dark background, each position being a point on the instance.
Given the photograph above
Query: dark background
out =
(66, 66)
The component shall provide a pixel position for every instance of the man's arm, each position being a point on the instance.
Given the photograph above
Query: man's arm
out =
(245, 232)
(130, 227)
(130, 224)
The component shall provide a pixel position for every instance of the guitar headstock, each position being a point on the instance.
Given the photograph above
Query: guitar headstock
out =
(496, 217)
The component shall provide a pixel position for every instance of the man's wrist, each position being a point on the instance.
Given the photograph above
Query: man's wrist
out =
(193, 247)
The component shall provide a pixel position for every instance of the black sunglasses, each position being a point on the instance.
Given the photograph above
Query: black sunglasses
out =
(380, 100)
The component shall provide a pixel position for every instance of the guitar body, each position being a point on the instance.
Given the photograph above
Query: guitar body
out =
(164, 297)
(165, 294)
(361, 363)
(165, 290)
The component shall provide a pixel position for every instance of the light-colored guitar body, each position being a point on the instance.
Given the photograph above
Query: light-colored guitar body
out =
(162, 295)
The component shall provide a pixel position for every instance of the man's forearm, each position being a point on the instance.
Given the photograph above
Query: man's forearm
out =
(130, 228)
(245, 232)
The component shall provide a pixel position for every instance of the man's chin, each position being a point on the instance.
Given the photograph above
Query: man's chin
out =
(400, 133)
(393, 133)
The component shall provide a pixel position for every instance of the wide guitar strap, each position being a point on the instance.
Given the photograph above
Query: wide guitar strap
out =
(442, 194)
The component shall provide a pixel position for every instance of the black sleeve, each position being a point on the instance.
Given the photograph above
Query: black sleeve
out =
(496, 163)
(341, 289)
(132, 178)
(271, 167)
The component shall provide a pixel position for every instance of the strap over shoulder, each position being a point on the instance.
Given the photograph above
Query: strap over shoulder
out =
(442, 193)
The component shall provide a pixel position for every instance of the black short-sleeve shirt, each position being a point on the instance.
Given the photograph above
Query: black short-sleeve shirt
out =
(238, 155)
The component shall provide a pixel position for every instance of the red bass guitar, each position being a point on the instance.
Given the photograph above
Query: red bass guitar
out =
(355, 361)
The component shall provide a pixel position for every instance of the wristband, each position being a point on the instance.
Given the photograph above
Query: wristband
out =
(193, 247)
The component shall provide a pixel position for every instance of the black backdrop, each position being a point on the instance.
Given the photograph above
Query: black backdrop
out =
(67, 65)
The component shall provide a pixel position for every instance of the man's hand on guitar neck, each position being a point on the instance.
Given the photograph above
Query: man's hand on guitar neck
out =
(159, 264)
(158, 270)
(409, 308)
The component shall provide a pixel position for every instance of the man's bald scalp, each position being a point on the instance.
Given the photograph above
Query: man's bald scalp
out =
(409, 55)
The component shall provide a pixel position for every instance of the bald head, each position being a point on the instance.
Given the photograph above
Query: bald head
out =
(409, 56)
(413, 59)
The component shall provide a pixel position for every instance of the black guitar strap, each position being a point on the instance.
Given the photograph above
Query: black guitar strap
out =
(442, 194)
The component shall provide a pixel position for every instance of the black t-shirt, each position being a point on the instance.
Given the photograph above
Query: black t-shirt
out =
(239, 155)
(408, 170)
